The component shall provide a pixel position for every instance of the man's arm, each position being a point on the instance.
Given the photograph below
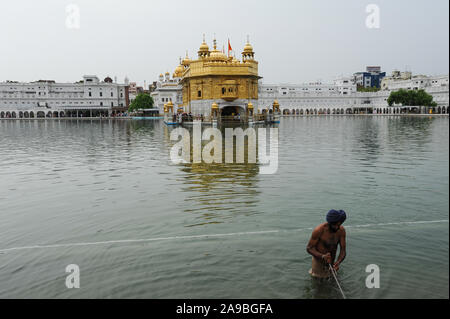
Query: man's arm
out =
(311, 248)
(342, 250)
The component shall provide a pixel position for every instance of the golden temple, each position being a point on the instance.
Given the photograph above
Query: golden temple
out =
(216, 78)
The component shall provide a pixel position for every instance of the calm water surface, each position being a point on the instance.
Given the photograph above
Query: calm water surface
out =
(65, 182)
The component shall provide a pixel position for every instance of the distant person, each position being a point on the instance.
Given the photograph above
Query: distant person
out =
(324, 242)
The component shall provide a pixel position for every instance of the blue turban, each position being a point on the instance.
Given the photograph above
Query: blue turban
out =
(335, 216)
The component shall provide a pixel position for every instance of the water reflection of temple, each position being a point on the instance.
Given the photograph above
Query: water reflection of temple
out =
(216, 192)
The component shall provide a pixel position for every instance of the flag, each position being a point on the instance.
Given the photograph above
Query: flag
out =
(229, 47)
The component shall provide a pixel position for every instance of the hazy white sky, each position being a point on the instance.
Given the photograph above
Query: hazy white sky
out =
(295, 41)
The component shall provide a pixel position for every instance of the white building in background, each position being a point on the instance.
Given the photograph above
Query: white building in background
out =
(132, 89)
(44, 98)
(416, 82)
(342, 96)
(167, 89)
(311, 98)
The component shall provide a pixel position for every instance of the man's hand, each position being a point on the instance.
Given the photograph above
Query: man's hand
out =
(336, 266)
(327, 258)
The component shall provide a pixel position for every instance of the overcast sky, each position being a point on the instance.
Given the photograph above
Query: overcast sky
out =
(295, 41)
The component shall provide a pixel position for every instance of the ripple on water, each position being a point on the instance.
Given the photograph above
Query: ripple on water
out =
(79, 181)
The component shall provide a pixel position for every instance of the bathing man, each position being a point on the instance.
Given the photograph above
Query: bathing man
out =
(324, 242)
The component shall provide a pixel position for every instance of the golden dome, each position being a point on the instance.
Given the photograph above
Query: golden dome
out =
(217, 55)
(204, 47)
(275, 103)
(167, 73)
(186, 61)
(248, 48)
(214, 106)
(170, 103)
(250, 106)
(178, 71)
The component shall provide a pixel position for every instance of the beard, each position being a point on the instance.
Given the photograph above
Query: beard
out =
(333, 229)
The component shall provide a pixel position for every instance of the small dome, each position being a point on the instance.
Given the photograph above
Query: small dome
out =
(250, 106)
(179, 69)
(214, 106)
(167, 73)
(276, 104)
(217, 55)
(204, 47)
(248, 48)
(186, 61)
(161, 75)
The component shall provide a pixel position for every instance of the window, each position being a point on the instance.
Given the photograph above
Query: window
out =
(112, 94)
(101, 94)
(223, 90)
(90, 93)
(199, 93)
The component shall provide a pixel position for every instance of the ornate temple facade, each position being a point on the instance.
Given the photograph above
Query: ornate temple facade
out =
(214, 84)
(215, 78)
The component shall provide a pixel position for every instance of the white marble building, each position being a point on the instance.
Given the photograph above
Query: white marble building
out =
(343, 98)
(167, 89)
(89, 97)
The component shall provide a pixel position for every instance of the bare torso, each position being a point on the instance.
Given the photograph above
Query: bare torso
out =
(326, 241)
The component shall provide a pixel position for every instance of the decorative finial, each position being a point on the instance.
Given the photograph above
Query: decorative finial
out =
(215, 42)
(204, 38)
(187, 54)
(248, 38)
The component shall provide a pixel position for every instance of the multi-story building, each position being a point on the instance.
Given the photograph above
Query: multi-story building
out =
(416, 82)
(343, 98)
(46, 98)
(396, 76)
(371, 78)
(166, 90)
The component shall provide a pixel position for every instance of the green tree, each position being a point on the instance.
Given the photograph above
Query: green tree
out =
(411, 98)
(369, 89)
(142, 101)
